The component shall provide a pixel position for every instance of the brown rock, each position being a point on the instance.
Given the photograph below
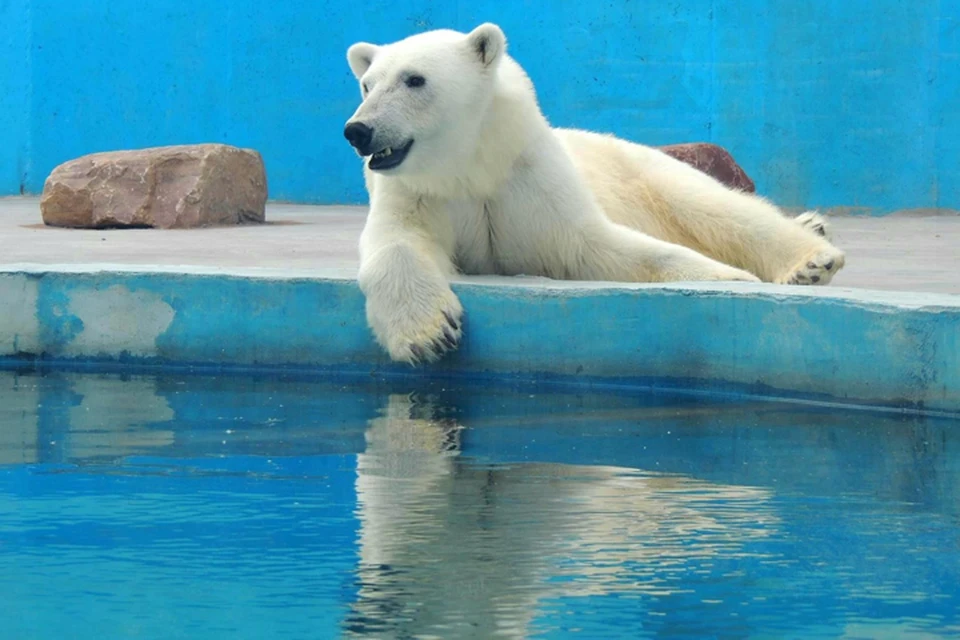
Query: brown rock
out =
(714, 161)
(164, 187)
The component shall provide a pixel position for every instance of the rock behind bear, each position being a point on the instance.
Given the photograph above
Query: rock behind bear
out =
(163, 187)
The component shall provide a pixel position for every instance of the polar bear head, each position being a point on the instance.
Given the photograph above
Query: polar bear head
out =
(424, 98)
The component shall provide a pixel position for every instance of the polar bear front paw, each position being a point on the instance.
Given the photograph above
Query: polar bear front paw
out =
(816, 269)
(421, 329)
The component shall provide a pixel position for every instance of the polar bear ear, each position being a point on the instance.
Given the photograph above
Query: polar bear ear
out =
(487, 42)
(360, 56)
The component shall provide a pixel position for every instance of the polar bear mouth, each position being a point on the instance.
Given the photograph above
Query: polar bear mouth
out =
(390, 157)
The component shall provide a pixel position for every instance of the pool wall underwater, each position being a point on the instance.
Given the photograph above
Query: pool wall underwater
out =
(891, 350)
(826, 104)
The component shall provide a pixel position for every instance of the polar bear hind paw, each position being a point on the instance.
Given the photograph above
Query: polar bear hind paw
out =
(816, 269)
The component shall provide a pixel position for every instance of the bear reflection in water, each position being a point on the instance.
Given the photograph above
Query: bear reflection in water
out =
(450, 548)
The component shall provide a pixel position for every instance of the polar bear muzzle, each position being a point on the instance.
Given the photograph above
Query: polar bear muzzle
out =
(390, 157)
(360, 137)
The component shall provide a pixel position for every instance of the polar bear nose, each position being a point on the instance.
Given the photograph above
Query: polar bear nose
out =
(359, 135)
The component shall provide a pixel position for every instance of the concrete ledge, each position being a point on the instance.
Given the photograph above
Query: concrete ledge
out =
(860, 347)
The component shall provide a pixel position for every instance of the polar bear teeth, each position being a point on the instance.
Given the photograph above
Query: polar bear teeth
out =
(383, 154)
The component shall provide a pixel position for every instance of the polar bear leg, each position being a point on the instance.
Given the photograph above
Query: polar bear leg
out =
(645, 189)
(404, 274)
(615, 252)
(751, 233)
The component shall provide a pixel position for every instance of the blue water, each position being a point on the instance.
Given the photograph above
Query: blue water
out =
(244, 507)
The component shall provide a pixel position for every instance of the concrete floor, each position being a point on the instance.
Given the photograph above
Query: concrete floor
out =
(897, 252)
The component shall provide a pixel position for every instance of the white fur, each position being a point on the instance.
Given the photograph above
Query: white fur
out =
(490, 188)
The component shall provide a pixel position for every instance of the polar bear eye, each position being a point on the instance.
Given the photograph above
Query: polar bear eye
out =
(416, 81)
(365, 88)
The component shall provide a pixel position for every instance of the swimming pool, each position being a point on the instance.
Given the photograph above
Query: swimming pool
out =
(189, 506)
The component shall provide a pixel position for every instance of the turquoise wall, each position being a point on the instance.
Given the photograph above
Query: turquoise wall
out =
(825, 103)
(890, 349)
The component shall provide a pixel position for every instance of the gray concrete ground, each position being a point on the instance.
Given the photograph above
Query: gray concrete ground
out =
(897, 252)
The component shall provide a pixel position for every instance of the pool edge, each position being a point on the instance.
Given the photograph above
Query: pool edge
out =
(854, 347)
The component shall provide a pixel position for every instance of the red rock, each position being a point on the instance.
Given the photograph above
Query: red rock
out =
(164, 187)
(714, 161)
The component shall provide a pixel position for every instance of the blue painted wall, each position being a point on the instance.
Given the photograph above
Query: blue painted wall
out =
(888, 349)
(825, 103)
(15, 93)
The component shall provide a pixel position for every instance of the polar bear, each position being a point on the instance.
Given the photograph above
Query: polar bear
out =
(465, 175)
